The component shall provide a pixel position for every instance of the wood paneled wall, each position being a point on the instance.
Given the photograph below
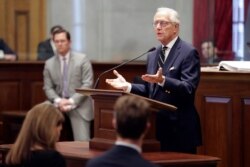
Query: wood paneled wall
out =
(21, 85)
(23, 25)
(223, 102)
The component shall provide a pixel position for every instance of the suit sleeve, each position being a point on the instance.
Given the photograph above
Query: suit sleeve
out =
(48, 84)
(86, 80)
(6, 49)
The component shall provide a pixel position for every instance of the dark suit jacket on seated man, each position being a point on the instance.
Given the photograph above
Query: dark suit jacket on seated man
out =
(172, 77)
(63, 73)
(131, 121)
(6, 53)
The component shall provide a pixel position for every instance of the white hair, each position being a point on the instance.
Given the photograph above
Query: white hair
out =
(172, 14)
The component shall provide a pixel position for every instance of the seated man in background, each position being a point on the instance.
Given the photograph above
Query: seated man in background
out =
(209, 51)
(131, 122)
(6, 53)
(46, 49)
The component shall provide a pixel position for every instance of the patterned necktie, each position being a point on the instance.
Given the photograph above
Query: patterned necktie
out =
(65, 78)
(162, 57)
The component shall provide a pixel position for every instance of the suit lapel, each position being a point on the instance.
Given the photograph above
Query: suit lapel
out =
(173, 54)
(154, 70)
(57, 70)
(70, 66)
(157, 56)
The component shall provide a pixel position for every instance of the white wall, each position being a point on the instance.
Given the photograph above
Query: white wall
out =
(114, 30)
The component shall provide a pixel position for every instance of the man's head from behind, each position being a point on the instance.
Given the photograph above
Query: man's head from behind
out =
(131, 117)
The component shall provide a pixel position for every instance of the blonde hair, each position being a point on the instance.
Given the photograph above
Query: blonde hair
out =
(38, 129)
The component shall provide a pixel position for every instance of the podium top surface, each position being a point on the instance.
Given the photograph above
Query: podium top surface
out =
(154, 103)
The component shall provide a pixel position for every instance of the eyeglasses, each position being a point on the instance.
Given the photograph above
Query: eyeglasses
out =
(162, 23)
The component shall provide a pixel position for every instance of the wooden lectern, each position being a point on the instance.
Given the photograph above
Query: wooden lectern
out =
(104, 133)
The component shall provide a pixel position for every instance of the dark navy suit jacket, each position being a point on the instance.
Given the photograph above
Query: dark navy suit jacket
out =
(44, 50)
(120, 156)
(182, 72)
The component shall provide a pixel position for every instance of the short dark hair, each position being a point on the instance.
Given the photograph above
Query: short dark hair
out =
(62, 31)
(54, 28)
(209, 41)
(132, 116)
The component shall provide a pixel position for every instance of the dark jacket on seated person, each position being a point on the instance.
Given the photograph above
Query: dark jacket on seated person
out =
(45, 50)
(121, 156)
(5, 48)
(43, 158)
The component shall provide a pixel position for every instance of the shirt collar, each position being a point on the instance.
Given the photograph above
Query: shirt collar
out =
(66, 56)
(133, 146)
(171, 43)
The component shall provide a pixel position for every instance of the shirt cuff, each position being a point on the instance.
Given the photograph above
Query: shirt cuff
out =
(1, 54)
(57, 101)
(128, 90)
(73, 105)
(162, 83)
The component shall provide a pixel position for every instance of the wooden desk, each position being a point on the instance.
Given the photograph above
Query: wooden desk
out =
(78, 153)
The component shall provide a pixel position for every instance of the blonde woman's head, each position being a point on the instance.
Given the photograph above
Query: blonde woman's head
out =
(41, 129)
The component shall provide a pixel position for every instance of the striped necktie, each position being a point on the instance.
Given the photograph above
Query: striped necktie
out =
(162, 57)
